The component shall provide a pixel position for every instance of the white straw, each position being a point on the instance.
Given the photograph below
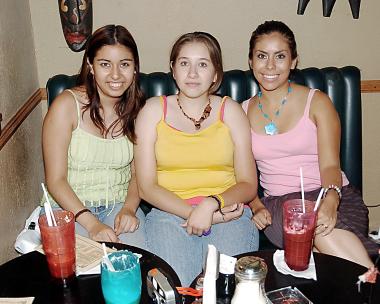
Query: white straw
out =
(47, 206)
(106, 259)
(302, 191)
(318, 199)
(48, 215)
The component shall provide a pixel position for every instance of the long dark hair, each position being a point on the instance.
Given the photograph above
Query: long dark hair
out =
(133, 98)
(213, 47)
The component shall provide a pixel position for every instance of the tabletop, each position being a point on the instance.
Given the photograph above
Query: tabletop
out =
(28, 276)
(336, 281)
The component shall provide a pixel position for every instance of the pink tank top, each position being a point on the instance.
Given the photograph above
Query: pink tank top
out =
(280, 156)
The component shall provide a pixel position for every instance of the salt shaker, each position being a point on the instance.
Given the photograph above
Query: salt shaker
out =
(250, 273)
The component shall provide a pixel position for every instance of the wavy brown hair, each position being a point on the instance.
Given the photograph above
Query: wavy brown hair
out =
(132, 99)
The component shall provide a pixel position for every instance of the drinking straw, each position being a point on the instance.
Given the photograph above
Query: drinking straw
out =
(48, 215)
(302, 191)
(318, 200)
(47, 206)
(106, 259)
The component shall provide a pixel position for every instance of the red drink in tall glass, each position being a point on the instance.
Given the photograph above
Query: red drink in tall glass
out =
(298, 229)
(58, 243)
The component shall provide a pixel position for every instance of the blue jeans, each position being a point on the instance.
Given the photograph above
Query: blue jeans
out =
(186, 253)
(106, 216)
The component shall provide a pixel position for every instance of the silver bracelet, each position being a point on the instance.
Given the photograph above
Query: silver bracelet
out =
(332, 187)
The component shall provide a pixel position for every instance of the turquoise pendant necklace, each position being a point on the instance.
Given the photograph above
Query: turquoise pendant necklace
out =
(271, 127)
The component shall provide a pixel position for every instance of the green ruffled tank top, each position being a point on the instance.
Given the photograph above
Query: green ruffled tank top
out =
(98, 169)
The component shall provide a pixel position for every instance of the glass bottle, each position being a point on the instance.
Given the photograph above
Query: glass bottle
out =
(250, 273)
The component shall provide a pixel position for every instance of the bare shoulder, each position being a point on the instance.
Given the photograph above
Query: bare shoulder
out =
(152, 110)
(234, 115)
(232, 108)
(321, 102)
(62, 114)
(64, 105)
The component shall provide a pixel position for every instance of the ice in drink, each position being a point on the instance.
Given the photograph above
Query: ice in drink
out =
(122, 286)
(58, 243)
(298, 231)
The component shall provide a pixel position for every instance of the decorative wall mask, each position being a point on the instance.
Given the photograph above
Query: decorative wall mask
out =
(76, 21)
(328, 5)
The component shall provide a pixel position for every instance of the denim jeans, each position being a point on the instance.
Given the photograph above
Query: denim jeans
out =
(186, 253)
(107, 216)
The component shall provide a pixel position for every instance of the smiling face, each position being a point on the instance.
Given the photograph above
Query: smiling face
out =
(114, 70)
(193, 70)
(272, 61)
(76, 21)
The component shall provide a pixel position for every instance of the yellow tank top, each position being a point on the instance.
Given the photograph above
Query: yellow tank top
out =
(98, 169)
(198, 164)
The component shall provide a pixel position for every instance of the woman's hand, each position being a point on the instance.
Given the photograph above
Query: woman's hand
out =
(231, 213)
(201, 217)
(261, 217)
(327, 215)
(126, 221)
(102, 232)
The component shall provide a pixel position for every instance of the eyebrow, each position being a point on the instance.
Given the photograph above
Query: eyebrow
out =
(107, 60)
(201, 58)
(275, 52)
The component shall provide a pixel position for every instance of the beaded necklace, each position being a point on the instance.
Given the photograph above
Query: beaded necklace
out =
(271, 127)
(205, 114)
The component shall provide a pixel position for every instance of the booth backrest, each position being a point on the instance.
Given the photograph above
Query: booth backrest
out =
(341, 84)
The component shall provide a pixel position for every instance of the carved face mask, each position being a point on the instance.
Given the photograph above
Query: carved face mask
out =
(76, 21)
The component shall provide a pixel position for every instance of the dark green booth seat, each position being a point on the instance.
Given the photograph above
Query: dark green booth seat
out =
(341, 84)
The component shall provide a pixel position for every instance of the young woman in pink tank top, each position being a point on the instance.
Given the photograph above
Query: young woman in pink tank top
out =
(292, 127)
(191, 211)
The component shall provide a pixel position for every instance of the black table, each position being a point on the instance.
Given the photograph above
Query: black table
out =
(28, 276)
(336, 281)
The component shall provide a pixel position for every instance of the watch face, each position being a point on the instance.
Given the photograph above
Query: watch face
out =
(76, 21)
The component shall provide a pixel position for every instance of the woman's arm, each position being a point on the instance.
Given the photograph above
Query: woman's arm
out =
(323, 113)
(126, 220)
(58, 125)
(245, 188)
(146, 166)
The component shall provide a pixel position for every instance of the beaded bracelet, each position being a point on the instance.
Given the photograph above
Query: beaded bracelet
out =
(332, 187)
(219, 201)
(79, 213)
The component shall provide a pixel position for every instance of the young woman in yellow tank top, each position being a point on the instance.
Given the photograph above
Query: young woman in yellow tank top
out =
(88, 136)
(194, 163)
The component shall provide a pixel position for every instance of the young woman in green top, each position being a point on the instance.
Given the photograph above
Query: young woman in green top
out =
(88, 136)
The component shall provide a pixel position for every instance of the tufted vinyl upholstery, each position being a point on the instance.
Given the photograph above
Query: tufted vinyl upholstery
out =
(341, 84)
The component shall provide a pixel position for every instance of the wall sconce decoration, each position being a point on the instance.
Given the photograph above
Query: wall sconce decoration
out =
(355, 8)
(302, 6)
(76, 21)
(328, 5)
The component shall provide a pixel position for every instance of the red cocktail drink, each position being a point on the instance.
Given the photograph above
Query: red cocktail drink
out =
(58, 243)
(298, 229)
